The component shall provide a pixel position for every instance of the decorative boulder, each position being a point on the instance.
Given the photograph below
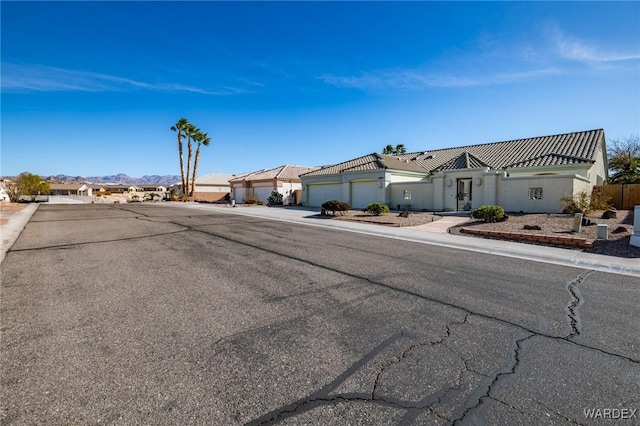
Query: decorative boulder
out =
(533, 227)
(620, 230)
(610, 214)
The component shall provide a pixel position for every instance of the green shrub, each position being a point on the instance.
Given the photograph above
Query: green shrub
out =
(584, 203)
(335, 206)
(488, 213)
(377, 209)
(275, 199)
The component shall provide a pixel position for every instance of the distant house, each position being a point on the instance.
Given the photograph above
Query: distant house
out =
(210, 187)
(78, 189)
(284, 179)
(530, 175)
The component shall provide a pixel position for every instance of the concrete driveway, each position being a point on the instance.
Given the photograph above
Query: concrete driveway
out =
(154, 315)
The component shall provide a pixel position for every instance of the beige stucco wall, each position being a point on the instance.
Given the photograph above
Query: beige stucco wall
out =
(421, 195)
(513, 192)
(439, 192)
(382, 178)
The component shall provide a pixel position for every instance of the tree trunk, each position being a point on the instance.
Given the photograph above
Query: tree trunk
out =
(195, 171)
(189, 155)
(181, 162)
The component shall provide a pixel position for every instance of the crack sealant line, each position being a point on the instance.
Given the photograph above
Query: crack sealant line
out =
(568, 257)
(572, 308)
(399, 358)
(413, 294)
(509, 370)
(323, 393)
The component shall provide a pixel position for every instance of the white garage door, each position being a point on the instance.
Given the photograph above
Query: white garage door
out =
(363, 193)
(263, 193)
(318, 194)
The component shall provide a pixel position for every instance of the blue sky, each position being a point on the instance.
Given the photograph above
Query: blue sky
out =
(92, 88)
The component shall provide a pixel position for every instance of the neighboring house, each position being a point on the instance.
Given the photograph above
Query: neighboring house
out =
(211, 187)
(284, 179)
(530, 175)
(67, 189)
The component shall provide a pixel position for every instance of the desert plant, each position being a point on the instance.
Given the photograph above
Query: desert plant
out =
(275, 199)
(585, 203)
(488, 213)
(250, 199)
(377, 209)
(335, 206)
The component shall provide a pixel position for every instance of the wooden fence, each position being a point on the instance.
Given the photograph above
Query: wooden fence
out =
(623, 196)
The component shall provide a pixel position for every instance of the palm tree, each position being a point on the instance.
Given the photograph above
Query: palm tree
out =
(180, 128)
(190, 131)
(201, 139)
(389, 150)
(400, 149)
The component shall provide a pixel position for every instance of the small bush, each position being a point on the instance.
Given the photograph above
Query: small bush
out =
(488, 213)
(275, 199)
(377, 209)
(585, 203)
(335, 206)
(250, 199)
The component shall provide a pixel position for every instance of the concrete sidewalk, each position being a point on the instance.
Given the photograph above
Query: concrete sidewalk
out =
(12, 226)
(435, 234)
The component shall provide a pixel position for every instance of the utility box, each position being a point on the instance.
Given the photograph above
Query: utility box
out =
(635, 238)
(603, 231)
(577, 223)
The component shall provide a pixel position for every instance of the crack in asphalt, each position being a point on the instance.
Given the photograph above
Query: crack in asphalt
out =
(484, 391)
(390, 363)
(69, 245)
(573, 315)
(515, 361)
(410, 292)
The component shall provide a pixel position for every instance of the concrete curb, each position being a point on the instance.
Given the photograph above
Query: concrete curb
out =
(10, 231)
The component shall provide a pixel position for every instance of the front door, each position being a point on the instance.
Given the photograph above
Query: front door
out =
(464, 194)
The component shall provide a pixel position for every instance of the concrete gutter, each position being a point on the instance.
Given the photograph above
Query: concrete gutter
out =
(10, 231)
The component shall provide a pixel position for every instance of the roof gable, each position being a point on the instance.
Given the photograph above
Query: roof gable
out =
(463, 161)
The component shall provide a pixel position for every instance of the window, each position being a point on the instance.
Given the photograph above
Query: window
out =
(535, 193)
(407, 194)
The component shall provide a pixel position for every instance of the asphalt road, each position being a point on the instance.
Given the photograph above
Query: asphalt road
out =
(144, 314)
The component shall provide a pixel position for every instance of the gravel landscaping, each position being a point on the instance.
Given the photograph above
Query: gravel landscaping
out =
(620, 228)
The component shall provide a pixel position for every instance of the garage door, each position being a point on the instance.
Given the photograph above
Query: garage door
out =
(318, 194)
(263, 193)
(363, 193)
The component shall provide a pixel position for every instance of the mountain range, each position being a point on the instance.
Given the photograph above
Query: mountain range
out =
(120, 178)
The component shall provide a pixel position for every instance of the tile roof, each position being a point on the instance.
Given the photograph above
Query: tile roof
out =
(554, 150)
(373, 161)
(215, 179)
(285, 172)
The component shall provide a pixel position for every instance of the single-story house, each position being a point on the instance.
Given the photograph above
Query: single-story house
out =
(530, 175)
(70, 189)
(284, 179)
(210, 187)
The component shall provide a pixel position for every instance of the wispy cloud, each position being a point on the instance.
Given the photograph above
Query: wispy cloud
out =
(416, 80)
(39, 78)
(572, 48)
(495, 61)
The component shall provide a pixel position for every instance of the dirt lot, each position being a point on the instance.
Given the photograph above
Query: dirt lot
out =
(620, 228)
(7, 209)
